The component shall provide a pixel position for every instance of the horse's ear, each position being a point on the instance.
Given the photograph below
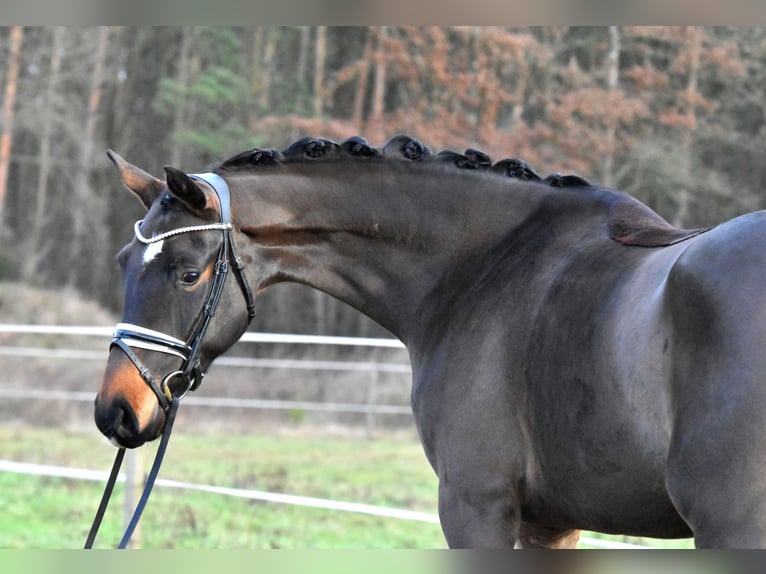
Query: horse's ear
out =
(196, 197)
(145, 186)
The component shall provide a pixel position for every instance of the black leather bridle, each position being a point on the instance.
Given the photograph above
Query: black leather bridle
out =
(188, 377)
(128, 336)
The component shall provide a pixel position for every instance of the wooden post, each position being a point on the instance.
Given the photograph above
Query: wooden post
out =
(134, 485)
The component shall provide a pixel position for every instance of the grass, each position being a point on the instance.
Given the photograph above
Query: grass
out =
(44, 512)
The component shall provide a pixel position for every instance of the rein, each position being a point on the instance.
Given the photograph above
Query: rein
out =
(174, 386)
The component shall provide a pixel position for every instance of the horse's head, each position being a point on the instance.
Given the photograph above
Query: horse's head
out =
(180, 310)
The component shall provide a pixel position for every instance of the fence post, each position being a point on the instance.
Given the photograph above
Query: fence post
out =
(134, 483)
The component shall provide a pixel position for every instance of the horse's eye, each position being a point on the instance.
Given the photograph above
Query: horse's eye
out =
(189, 277)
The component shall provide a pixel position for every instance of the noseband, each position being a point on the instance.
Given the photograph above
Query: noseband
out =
(128, 336)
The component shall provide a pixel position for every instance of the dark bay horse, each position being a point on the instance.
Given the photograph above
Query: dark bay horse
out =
(578, 363)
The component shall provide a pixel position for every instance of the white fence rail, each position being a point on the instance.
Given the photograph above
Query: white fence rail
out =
(308, 501)
(310, 365)
(372, 367)
(274, 497)
(246, 338)
(225, 402)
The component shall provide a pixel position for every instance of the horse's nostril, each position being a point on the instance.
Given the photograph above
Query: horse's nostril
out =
(124, 425)
(116, 420)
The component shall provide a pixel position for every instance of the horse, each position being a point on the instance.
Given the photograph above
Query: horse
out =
(578, 363)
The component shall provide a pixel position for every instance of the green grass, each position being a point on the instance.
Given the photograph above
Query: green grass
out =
(44, 512)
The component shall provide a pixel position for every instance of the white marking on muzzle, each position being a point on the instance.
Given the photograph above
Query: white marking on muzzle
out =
(152, 251)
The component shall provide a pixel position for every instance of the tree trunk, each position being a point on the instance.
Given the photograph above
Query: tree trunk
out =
(6, 136)
(520, 90)
(320, 55)
(319, 68)
(35, 249)
(268, 58)
(375, 121)
(303, 57)
(687, 139)
(554, 37)
(361, 84)
(612, 81)
(83, 195)
(180, 113)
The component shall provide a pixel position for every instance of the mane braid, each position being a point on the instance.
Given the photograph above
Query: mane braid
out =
(400, 147)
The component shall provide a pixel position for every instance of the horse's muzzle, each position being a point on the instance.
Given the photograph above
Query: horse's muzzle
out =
(126, 410)
(119, 424)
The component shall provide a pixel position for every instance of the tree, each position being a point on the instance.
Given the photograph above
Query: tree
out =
(34, 248)
(320, 58)
(216, 96)
(687, 115)
(379, 85)
(612, 84)
(9, 101)
(181, 110)
(674, 115)
(83, 194)
(362, 72)
(675, 68)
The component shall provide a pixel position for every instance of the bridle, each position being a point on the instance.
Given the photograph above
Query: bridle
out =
(174, 386)
(128, 336)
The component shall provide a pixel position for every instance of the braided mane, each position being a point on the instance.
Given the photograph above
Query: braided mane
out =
(630, 222)
(398, 148)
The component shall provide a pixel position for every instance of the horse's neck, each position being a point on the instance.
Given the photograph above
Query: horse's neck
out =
(380, 240)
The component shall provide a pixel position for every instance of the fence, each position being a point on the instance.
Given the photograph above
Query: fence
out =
(368, 372)
(371, 409)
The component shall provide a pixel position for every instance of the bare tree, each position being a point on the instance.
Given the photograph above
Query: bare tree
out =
(303, 56)
(361, 83)
(694, 42)
(320, 56)
(612, 82)
(375, 121)
(269, 51)
(35, 250)
(6, 130)
(182, 77)
(82, 191)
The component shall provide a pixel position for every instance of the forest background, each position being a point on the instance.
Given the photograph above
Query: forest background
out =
(673, 115)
